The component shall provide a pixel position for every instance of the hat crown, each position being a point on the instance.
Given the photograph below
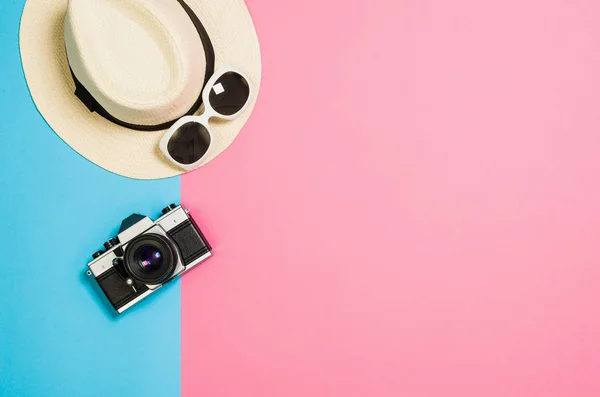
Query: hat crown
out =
(142, 60)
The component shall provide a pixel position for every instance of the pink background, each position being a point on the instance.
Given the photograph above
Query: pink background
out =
(412, 210)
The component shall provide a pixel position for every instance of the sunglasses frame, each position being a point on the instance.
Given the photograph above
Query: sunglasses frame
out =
(204, 117)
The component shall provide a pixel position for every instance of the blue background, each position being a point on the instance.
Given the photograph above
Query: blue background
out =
(57, 337)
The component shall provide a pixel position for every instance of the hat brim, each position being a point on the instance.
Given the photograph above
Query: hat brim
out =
(134, 154)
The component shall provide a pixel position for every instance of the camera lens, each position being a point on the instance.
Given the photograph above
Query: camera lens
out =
(150, 258)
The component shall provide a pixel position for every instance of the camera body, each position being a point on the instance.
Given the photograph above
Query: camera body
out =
(147, 254)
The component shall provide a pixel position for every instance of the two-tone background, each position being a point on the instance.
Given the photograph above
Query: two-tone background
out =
(412, 210)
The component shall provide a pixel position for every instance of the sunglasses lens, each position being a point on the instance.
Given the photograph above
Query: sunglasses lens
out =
(189, 143)
(229, 94)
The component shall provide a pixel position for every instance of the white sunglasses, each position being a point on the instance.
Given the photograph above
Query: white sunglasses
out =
(226, 95)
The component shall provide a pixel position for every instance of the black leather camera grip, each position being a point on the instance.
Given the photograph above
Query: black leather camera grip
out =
(190, 240)
(116, 289)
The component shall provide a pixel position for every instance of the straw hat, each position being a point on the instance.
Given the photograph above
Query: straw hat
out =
(110, 76)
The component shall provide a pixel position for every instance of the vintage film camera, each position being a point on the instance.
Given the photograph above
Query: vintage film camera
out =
(147, 254)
